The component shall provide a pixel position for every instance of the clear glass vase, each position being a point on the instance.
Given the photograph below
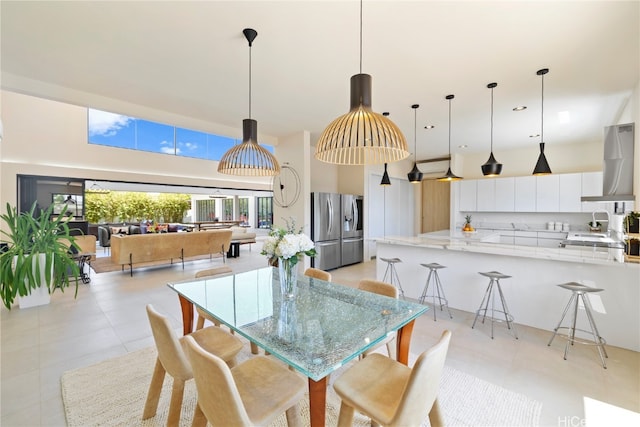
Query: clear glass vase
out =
(288, 278)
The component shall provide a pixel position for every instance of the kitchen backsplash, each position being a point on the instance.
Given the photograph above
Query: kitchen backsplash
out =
(528, 221)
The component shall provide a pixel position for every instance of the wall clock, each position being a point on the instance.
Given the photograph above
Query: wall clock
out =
(286, 186)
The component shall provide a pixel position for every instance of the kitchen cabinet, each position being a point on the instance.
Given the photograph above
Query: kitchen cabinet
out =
(570, 192)
(486, 195)
(548, 193)
(504, 194)
(525, 238)
(592, 186)
(550, 239)
(468, 195)
(525, 194)
(506, 237)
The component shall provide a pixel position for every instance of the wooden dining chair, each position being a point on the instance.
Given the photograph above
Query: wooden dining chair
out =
(173, 360)
(386, 289)
(253, 393)
(402, 396)
(316, 273)
(203, 315)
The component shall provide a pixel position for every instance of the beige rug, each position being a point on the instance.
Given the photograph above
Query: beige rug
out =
(113, 393)
(104, 264)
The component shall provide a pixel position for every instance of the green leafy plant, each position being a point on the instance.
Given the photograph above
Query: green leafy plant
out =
(28, 235)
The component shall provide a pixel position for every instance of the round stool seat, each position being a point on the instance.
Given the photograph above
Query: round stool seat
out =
(494, 275)
(579, 287)
(391, 260)
(433, 266)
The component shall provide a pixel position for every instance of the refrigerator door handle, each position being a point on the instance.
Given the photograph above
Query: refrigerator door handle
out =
(330, 211)
(354, 208)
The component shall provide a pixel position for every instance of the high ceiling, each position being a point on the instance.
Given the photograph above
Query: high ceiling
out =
(191, 59)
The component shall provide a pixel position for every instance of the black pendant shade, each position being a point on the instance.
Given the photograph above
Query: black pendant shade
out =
(542, 166)
(385, 177)
(415, 176)
(449, 176)
(491, 167)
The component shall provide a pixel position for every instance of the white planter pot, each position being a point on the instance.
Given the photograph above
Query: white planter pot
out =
(38, 296)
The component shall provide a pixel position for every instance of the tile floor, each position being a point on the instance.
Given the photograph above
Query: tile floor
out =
(108, 319)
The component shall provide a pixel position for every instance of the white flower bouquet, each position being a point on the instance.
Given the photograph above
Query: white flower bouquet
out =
(287, 244)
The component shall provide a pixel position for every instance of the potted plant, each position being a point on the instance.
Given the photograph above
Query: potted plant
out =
(38, 256)
(632, 222)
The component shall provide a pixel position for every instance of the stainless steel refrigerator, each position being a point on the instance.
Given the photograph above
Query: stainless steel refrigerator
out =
(326, 230)
(352, 242)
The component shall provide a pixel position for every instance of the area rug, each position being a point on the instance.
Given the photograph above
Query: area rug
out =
(104, 264)
(113, 393)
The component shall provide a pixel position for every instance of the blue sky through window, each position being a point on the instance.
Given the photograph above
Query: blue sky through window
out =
(117, 130)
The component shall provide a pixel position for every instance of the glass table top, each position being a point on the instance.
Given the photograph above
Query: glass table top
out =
(322, 328)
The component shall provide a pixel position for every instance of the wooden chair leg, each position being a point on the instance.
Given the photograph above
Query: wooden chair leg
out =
(155, 388)
(175, 407)
(200, 323)
(293, 416)
(345, 419)
(254, 348)
(435, 415)
(199, 420)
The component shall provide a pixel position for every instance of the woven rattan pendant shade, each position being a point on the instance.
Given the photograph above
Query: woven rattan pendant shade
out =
(248, 158)
(361, 137)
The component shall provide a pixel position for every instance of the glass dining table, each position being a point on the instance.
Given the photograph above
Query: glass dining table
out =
(322, 328)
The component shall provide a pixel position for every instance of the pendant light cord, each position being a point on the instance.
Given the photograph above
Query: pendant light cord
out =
(492, 120)
(360, 36)
(249, 79)
(415, 131)
(542, 113)
(449, 131)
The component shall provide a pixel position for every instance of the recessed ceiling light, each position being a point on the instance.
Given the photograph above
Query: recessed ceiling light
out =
(520, 108)
(429, 126)
(463, 146)
(564, 117)
(535, 135)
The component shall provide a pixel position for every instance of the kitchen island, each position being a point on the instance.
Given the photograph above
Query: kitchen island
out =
(531, 293)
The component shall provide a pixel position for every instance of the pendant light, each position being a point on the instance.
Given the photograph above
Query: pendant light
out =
(491, 167)
(450, 176)
(249, 158)
(385, 177)
(542, 166)
(415, 176)
(361, 137)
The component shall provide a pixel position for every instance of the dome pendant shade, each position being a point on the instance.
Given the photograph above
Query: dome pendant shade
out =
(415, 176)
(248, 158)
(385, 177)
(491, 167)
(361, 137)
(449, 176)
(542, 166)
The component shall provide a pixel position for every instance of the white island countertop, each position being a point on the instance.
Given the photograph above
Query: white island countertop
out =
(487, 242)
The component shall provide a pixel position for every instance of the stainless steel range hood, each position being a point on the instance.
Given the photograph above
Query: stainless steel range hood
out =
(617, 185)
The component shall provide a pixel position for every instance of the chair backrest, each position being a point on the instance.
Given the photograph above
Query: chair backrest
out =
(318, 274)
(218, 396)
(214, 271)
(422, 388)
(170, 350)
(378, 287)
(103, 236)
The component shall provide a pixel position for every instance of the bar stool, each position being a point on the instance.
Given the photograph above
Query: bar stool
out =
(437, 292)
(392, 274)
(578, 292)
(489, 294)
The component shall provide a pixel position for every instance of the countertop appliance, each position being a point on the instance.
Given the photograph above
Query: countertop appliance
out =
(617, 167)
(336, 229)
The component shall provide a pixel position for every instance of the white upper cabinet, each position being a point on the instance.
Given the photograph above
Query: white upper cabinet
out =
(468, 195)
(486, 195)
(525, 194)
(570, 192)
(591, 186)
(505, 194)
(548, 193)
